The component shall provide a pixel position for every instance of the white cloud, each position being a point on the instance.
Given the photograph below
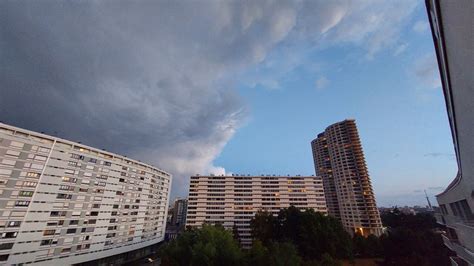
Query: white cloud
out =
(421, 26)
(400, 49)
(322, 82)
(426, 71)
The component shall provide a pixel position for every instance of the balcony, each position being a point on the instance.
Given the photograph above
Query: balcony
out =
(462, 252)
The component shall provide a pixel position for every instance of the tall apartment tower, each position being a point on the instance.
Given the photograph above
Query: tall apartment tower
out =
(339, 160)
(234, 200)
(64, 203)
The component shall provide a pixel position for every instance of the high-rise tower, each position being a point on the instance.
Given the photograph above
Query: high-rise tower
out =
(339, 160)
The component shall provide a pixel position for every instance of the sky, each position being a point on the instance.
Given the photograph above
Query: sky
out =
(232, 86)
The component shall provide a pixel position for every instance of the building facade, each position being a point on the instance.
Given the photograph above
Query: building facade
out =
(453, 36)
(339, 160)
(234, 200)
(63, 203)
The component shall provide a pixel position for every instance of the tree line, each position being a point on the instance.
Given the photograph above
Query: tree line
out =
(308, 238)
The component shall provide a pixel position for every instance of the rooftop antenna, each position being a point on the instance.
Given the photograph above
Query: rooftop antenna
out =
(428, 199)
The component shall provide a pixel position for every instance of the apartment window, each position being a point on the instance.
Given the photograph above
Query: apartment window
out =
(25, 193)
(107, 163)
(22, 203)
(46, 242)
(64, 250)
(9, 235)
(92, 160)
(4, 257)
(14, 224)
(64, 196)
(77, 156)
(11, 153)
(49, 232)
(71, 231)
(5, 246)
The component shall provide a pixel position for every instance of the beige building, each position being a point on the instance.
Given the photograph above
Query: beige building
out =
(234, 200)
(339, 160)
(63, 203)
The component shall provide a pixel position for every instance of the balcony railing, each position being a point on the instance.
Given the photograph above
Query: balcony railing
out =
(461, 251)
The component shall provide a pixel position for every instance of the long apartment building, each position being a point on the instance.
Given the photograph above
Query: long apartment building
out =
(63, 203)
(339, 160)
(234, 200)
(453, 35)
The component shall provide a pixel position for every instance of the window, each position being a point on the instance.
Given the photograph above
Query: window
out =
(11, 153)
(17, 144)
(77, 156)
(64, 196)
(46, 242)
(14, 224)
(92, 160)
(64, 250)
(33, 174)
(107, 163)
(5, 246)
(71, 231)
(22, 203)
(4, 257)
(29, 184)
(49, 232)
(9, 235)
(25, 193)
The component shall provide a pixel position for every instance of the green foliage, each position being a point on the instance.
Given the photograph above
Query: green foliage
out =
(309, 238)
(367, 247)
(312, 233)
(411, 240)
(210, 245)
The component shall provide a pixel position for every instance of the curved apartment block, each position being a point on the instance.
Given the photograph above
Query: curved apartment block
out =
(63, 203)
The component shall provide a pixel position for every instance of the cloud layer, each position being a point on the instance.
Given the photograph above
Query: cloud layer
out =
(154, 80)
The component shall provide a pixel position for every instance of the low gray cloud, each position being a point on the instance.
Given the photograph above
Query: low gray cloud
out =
(154, 80)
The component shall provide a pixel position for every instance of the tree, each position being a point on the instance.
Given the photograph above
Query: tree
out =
(209, 245)
(312, 233)
(411, 240)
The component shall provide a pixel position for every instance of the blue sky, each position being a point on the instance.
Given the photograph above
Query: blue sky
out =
(232, 86)
(400, 114)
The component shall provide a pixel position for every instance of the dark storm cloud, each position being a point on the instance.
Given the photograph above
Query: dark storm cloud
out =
(150, 79)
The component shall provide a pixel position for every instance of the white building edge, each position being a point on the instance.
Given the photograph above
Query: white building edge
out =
(63, 203)
(452, 25)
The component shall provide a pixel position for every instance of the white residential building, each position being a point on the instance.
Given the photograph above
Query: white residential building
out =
(63, 203)
(452, 25)
(234, 200)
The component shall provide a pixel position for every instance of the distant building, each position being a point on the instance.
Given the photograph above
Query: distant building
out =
(453, 35)
(339, 160)
(180, 207)
(234, 200)
(64, 203)
(176, 218)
